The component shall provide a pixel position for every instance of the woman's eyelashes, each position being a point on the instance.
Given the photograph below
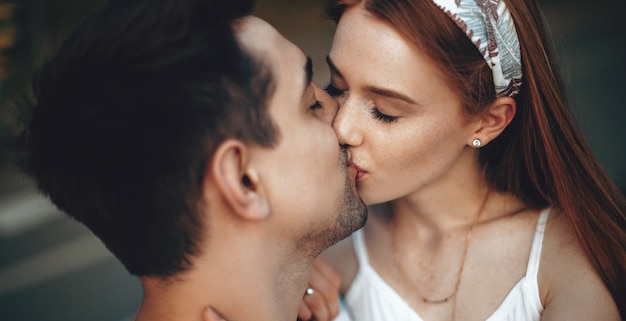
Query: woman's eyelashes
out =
(382, 117)
(335, 92)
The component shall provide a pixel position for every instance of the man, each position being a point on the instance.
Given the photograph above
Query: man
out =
(187, 135)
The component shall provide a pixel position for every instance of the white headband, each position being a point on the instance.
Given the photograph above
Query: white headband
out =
(489, 26)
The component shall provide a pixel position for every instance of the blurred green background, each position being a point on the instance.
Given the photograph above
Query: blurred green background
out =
(52, 268)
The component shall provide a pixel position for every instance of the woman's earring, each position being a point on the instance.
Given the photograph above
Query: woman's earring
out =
(476, 142)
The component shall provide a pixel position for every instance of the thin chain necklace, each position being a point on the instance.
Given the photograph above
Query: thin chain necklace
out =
(468, 238)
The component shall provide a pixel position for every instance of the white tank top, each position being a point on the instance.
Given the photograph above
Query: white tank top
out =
(370, 298)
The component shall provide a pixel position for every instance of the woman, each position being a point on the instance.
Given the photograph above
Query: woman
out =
(492, 206)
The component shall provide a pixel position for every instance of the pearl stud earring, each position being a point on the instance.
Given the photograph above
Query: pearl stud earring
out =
(476, 142)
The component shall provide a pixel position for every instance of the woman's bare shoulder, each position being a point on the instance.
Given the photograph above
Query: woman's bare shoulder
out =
(571, 287)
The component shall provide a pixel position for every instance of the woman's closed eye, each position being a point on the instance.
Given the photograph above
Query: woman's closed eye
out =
(376, 113)
(382, 117)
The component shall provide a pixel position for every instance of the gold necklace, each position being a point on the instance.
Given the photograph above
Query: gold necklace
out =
(468, 238)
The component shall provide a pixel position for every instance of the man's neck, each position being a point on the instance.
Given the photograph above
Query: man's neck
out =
(252, 288)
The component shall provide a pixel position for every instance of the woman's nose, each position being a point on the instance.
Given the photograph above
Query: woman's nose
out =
(346, 124)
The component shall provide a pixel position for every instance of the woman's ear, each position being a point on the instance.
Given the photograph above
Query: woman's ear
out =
(495, 119)
(237, 181)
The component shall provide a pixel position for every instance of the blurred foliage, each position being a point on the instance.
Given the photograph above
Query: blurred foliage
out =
(7, 41)
(30, 30)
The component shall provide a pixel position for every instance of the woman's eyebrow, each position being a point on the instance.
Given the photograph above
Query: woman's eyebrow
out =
(375, 90)
(389, 93)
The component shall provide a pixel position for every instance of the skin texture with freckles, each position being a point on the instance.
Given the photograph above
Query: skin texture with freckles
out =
(427, 144)
(411, 139)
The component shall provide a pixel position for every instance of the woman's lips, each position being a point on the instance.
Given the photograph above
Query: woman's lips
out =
(359, 172)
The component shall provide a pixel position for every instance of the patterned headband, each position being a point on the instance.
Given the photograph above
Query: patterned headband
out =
(489, 26)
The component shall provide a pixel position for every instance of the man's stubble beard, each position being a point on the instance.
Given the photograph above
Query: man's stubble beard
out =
(353, 211)
(352, 215)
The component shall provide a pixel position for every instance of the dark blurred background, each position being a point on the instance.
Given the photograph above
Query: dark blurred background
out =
(52, 268)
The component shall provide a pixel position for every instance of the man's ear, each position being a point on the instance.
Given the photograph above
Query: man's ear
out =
(237, 180)
(495, 119)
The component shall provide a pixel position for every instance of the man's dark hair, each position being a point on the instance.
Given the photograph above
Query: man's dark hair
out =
(127, 115)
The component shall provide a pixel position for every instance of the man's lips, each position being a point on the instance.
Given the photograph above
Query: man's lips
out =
(359, 171)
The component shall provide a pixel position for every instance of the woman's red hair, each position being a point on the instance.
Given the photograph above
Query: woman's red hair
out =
(541, 157)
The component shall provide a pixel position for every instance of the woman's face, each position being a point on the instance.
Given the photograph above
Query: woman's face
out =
(406, 129)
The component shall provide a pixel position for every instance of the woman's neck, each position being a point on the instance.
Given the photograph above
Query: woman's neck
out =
(452, 207)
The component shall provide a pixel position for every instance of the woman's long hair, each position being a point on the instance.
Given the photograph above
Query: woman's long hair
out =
(541, 157)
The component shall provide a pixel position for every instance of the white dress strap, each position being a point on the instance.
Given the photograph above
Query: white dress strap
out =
(535, 250)
(534, 304)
